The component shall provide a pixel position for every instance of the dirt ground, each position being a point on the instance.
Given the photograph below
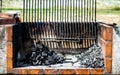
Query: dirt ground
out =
(108, 18)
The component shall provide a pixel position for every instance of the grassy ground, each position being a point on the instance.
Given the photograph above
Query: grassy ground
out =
(108, 11)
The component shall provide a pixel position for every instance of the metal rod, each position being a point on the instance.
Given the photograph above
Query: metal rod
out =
(73, 9)
(52, 11)
(87, 10)
(60, 12)
(28, 24)
(26, 11)
(40, 10)
(49, 11)
(37, 23)
(92, 10)
(32, 11)
(35, 13)
(23, 10)
(29, 11)
(55, 11)
(76, 11)
(46, 9)
(43, 10)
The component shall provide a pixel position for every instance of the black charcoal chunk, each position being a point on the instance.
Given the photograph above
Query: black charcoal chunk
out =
(43, 56)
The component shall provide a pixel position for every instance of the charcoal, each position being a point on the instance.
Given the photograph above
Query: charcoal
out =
(35, 62)
(40, 63)
(47, 62)
(43, 56)
(39, 46)
(33, 49)
(38, 57)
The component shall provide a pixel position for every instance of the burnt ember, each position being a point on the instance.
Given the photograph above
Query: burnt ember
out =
(41, 55)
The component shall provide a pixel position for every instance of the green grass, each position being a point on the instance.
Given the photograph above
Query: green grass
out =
(115, 8)
(109, 15)
(116, 12)
(12, 9)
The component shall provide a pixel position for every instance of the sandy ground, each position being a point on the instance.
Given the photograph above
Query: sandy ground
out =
(108, 18)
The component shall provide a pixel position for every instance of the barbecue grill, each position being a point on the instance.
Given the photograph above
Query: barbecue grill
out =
(58, 37)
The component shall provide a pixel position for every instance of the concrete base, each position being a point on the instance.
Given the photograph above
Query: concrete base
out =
(2, 51)
(116, 50)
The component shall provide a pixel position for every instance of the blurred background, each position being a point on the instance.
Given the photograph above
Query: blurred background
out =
(107, 10)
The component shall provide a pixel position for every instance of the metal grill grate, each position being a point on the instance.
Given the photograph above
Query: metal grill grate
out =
(59, 10)
(61, 24)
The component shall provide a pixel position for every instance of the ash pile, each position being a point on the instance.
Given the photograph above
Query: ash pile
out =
(92, 58)
(42, 56)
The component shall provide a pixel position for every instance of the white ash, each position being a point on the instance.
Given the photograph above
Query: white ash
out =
(92, 58)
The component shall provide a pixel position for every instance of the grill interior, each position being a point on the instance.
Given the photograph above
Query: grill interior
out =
(65, 26)
(57, 36)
